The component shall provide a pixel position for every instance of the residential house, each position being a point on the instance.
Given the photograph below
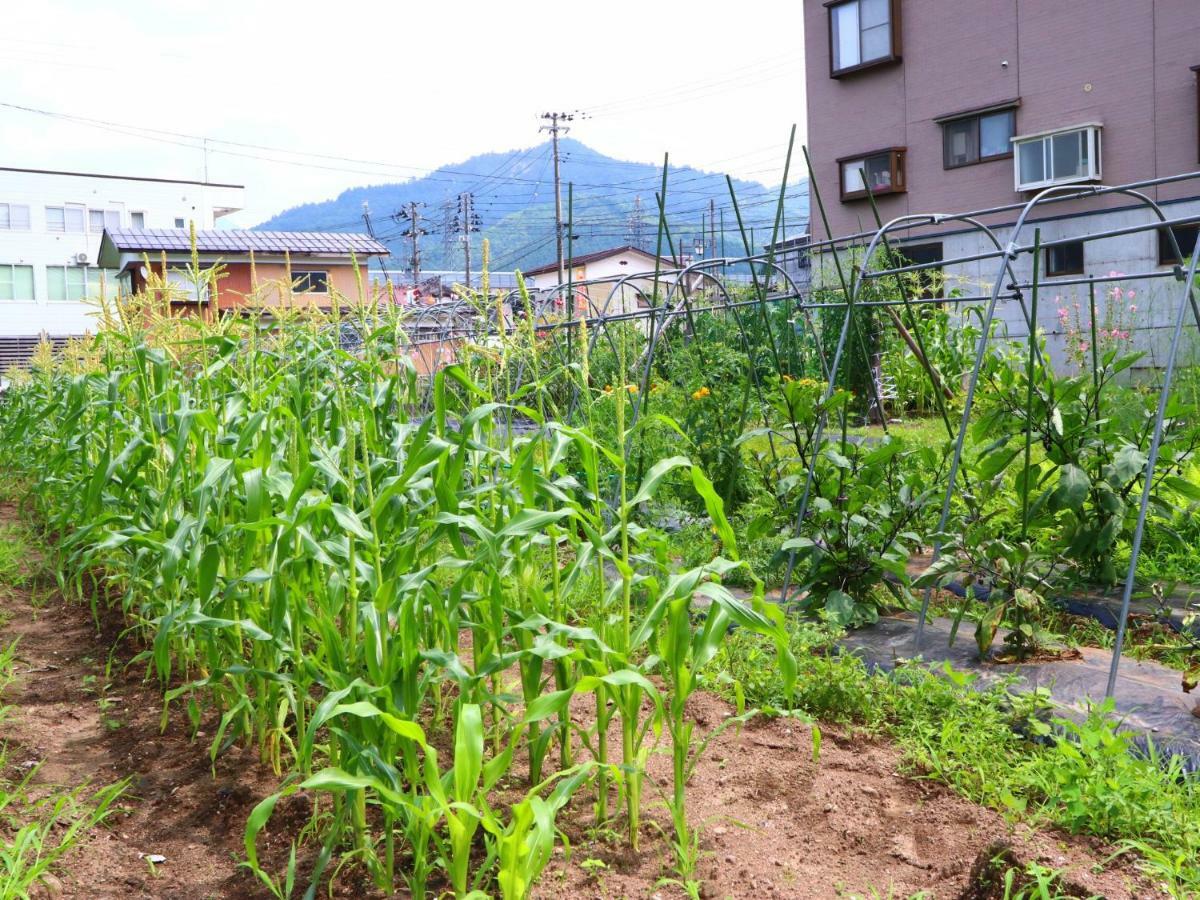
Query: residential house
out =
(258, 269)
(948, 107)
(50, 228)
(625, 277)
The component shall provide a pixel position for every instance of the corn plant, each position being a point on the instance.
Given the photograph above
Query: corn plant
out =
(334, 560)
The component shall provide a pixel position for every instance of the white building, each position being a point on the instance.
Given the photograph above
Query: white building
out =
(622, 280)
(50, 228)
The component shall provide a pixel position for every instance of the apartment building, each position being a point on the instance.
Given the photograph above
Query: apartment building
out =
(971, 104)
(50, 229)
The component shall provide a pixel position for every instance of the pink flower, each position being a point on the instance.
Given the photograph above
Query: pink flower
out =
(1133, 307)
(1131, 293)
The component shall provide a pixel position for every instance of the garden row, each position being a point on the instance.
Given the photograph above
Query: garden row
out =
(347, 566)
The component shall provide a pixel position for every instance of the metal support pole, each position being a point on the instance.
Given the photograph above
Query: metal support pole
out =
(1187, 300)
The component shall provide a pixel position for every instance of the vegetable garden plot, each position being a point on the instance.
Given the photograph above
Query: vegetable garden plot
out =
(395, 587)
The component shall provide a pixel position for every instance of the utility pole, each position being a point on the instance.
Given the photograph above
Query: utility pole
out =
(371, 231)
(555, 118)
(411, 213)
(447, 232)
(712, 227)
(465, 222)
(633, 231)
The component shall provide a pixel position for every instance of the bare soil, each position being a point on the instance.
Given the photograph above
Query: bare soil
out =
(776, 823)
(779, 824)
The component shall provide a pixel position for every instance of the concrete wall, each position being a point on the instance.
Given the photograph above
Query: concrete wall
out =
(160, 202)
(1123, 63)
(1144, 308)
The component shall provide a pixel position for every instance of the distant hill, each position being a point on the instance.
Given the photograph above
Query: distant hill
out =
(514, 200)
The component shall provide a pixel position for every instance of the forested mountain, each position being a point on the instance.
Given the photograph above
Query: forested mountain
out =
(513, 197)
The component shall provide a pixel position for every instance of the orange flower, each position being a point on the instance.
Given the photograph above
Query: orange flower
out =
(632, 388)
(701, 394)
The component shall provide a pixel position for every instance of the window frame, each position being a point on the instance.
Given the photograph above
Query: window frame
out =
(897, 178)
(1092, 131)
(28, 217)
(1164, 244)
(1196, 69)
(104, 214)
(977, 115)
(894, 26)
(67, 208)
(298, 274)
(92, 277)
(137, 212)
(12, 277)
(1057, 273)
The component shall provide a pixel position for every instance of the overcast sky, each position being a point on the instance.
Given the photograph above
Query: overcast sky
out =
(415, 85)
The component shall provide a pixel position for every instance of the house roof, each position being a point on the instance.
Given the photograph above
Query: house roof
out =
(598, 255)
(120, 177)
(272, 243)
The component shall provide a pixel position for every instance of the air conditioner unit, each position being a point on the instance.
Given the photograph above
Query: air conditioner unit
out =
(81, 259)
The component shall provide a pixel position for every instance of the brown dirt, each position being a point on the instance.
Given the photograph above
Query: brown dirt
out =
(779, 825)
(776, 823)
(175, 805)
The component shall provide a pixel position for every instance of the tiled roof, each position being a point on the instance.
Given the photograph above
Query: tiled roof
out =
(179, 240)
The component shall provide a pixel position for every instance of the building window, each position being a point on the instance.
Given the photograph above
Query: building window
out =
(180, 223)
(1196, 69)
(862, 33)
(16, 282)
(928, 281)
(99, 219)
(73, 283)
(137, 220)
(884, 171)
(65, 219)
(183, 288)
(315, 282)
(1060, 157)
(1064, 259)
(14, 217)
(1185, 236)
(977, 138)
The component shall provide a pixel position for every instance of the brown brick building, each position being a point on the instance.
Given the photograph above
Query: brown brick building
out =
(954, 105)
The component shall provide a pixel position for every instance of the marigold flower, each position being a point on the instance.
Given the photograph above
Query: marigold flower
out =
(632, 388)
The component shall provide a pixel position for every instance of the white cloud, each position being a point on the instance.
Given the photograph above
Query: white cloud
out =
(416, 84)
